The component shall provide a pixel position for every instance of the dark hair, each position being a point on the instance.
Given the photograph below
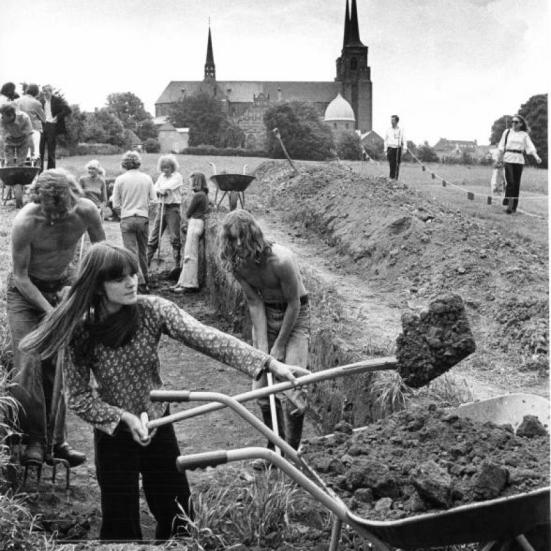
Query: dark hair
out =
(7, 109)
(395, 117)
(8, 90)
(199, 178)
(103, 262)
(523, 124)
(32, 90)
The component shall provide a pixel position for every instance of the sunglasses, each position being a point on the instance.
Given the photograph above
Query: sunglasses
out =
(516, 122)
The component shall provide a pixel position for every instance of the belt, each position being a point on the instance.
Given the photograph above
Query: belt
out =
(514, 151)
(283, 305)
(50, 286)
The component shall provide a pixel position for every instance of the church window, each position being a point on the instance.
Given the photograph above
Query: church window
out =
(353, 64)
(334, 125)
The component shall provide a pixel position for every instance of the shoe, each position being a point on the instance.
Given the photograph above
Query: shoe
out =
(178, 289)
(509, 211)
(33, 454)
(505, 202)
(143, 289)
(66, 453)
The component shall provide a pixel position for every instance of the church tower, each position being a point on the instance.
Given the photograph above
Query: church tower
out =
(353, 73)
(210, 70)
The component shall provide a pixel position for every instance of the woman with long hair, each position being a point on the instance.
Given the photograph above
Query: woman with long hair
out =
(188, 281)
(113, 333)
(93, 184)
(514, 144)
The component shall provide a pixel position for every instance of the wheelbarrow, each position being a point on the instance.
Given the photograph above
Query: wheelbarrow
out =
(16, 178)
(232, 184)
(495, 523)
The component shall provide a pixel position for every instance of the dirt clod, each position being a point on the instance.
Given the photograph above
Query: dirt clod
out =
(531, 426)
(434, 341)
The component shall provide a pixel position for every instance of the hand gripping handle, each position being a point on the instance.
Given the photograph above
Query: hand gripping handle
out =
(201, 460)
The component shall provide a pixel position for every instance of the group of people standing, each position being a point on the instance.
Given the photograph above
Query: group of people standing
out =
(30, 124)
(107, 333)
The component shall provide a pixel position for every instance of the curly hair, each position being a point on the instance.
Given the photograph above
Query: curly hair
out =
(252, 243)
(131, 160)
(58, 187)
(32, 90)
(8, 90)
(94, 163)
(168, 160)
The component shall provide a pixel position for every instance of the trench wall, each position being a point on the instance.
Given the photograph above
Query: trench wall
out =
(333, 341)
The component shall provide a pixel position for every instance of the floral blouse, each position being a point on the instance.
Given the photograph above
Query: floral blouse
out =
(125, 375)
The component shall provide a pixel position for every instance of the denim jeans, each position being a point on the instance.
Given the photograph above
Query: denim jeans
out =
(291, 402)
(171, 220)
(189, 276)
(33, 378)
(119, 462)
(135, 230)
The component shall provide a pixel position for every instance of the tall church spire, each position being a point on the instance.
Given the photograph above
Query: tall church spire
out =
(353, 29)
(346, 26)
(210, 71)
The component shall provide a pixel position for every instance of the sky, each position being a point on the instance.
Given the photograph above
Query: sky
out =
(449, 68)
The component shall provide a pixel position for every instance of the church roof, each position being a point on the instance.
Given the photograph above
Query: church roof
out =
(244, 90)
(339, 110)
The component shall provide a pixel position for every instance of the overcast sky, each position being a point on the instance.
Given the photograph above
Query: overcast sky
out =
(449, 68)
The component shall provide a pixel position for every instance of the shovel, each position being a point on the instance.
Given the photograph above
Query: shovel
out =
(161, 217)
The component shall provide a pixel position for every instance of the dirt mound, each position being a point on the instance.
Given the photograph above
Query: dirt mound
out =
(407, 244)
(424, 460)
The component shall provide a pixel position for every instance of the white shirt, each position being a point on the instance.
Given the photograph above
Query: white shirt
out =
(516, 141)
(173, 187)
(394, 137)
(132, 193)
(48, 110)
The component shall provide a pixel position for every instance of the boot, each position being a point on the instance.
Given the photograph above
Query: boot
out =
(293, 427)
(175, 272)
(33, 454)
(65, 452)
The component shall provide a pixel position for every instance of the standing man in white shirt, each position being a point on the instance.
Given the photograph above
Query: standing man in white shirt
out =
(133, 192)
(55, 110)
(395, 145)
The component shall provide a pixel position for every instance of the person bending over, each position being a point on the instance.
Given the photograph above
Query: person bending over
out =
(278, 304)
(114, 334)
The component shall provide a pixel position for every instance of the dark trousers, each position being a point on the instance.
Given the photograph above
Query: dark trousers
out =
(48, 141)
(119, 462)
(513, 173)
(394, 155)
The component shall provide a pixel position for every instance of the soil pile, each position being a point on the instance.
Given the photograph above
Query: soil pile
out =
(428, 459)
(406, 244)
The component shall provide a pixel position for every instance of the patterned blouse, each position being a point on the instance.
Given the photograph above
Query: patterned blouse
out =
(125, 375)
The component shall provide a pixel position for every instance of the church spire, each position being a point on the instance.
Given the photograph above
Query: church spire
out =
(353, 29)
(210, 71)
(346, 26)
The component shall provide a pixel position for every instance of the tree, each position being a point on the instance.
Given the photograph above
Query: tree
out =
(147, 129)
(128, 108)
(349, 146)
(426, 154)
(203, 115)
(498, 128)
(102, 126)
(76, 128)
(302, 131)
(535, 113)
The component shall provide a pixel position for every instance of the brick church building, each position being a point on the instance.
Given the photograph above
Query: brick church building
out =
(246, 101)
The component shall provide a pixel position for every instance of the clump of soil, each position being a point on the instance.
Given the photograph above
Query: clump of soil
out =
(433, 342)
(425, 460)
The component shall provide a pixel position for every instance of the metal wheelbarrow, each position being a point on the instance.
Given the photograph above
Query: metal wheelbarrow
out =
(16, 178)
(232, 184)
(495, 523)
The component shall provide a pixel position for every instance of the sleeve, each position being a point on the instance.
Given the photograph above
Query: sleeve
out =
(103, 191)
(26, 127)
(179, 325)
(82, 399)
(116, 196)
(152, 192)
(529, 145)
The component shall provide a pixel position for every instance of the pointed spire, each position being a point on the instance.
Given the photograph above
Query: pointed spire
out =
(210, 71)
(354, 30)
(346, 26)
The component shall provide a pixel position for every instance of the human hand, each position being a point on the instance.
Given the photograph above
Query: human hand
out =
(137, 429)
(285, 371)
(278, 352)
(62, 294)
(538, 160)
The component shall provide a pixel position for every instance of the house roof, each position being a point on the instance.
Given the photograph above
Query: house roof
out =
(243, 90)
(445, 143)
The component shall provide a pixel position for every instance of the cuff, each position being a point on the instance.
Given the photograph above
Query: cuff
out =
(264, 368)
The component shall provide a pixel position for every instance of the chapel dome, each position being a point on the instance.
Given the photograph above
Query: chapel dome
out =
(339, 110)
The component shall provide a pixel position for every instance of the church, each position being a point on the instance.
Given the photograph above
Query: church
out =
(344, 103)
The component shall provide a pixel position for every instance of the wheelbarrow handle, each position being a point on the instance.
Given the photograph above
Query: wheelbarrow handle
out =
(376, 364)
(201, 460)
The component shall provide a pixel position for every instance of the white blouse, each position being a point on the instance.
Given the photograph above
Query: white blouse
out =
(517, 144)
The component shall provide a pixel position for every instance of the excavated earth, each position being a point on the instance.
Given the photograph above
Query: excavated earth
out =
(428, 459)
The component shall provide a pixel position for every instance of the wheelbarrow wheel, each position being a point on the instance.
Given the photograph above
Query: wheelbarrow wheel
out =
(234, 197)
(18, 192)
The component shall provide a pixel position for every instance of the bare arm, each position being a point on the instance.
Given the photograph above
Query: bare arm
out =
(287, 273)
(258, 315)
(21, 256)
(92, 220)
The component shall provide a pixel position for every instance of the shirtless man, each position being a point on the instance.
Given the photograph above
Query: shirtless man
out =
(44, 238)
(278, 304)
